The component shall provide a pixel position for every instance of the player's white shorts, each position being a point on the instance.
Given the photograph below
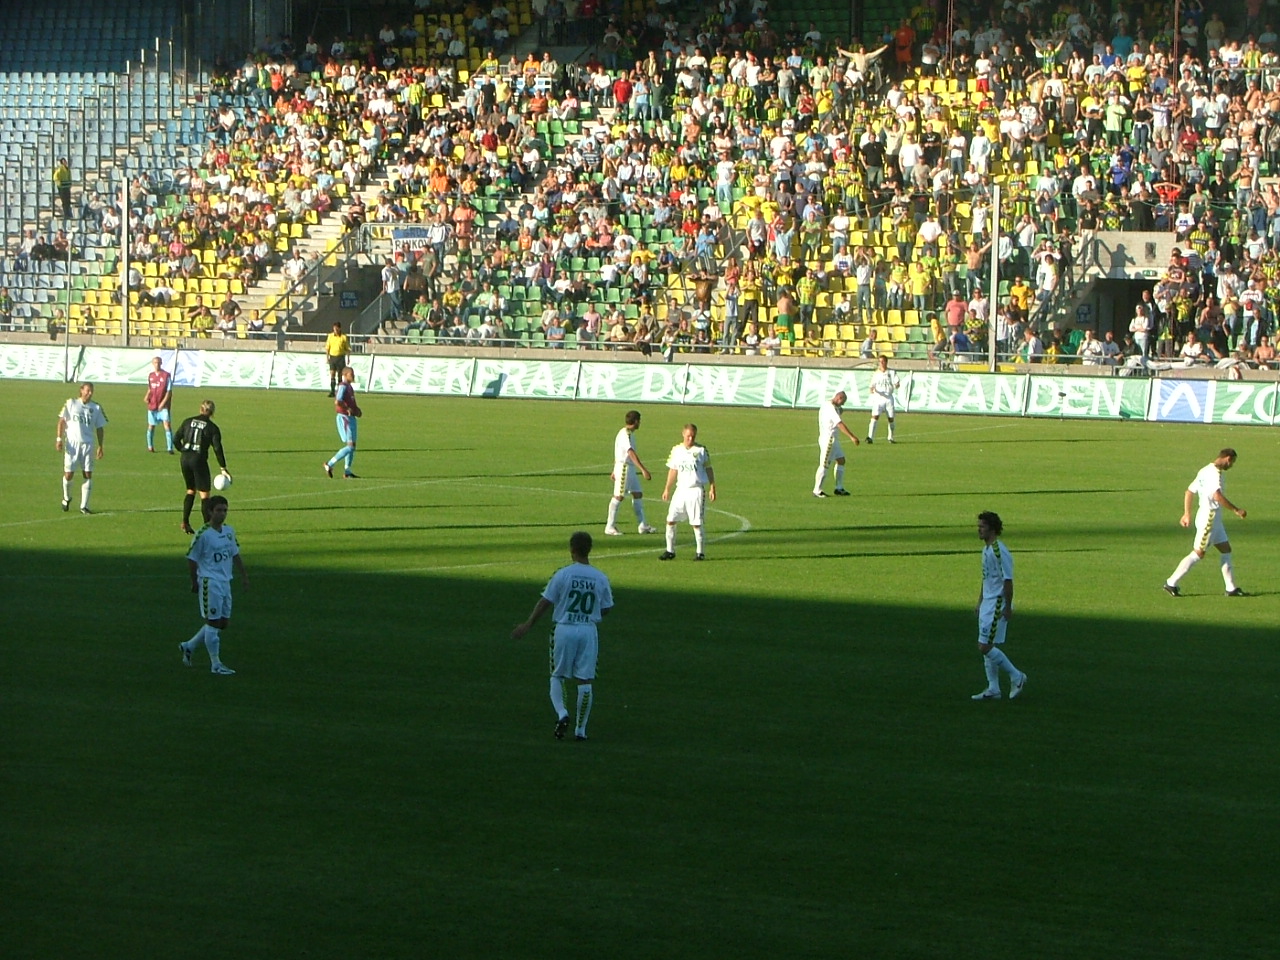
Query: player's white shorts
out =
(881, 405)
(829, 451)
(215, 599)
(686, 504)
(157, 417)
(626, 479)
(77, 456)
(574, 649)
(991, 621)
(1209, 530)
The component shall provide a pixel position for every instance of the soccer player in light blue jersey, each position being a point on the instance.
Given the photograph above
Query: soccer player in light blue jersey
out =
(348, 412)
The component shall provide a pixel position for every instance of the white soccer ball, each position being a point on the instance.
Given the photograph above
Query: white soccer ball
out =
(221, 482)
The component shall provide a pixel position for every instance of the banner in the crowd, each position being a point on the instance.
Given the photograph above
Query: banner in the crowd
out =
(978, 393)
(440, 376)
(1107, 398)
(1213, 401)
(409, 238)
(919, 391)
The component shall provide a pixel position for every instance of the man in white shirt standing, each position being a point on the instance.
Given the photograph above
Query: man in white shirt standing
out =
(579, 596)
(624, 476)
(995, 607)
(689, 469)
(830, 426)
(1209, 488)
(80, 423)
(884, 384)
(213, 557)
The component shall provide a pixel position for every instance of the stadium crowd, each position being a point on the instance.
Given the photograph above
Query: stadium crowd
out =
(730, 183)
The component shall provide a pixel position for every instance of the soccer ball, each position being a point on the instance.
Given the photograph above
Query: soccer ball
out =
(221, 482)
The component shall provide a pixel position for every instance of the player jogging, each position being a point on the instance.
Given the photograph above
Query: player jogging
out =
(348, 412)
(213, 556)
(624, 476)
(579, 596)
(884, 383)
(995, 607)
(196, 437)
(158, 397)
(80, 424)
(689, 468)
(1210, 487)
(830, 426)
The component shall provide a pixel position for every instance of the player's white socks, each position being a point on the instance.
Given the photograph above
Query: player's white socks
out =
(871, 429)
(584, 709)
(671, 538)
(997, 657)
(637, 504)
(699, 540)
(86, 488)
(194, 643)
(993, 672)
(614, 503)
(1189, 561)
(1228, 575)
(557, 697)
(66, 489)
(839, 476)
(890, 429)
(213, 643)
(818, 477)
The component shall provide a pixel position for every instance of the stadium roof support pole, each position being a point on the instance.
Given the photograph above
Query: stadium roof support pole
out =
(993, 358)
(124, 205)
(157, 59)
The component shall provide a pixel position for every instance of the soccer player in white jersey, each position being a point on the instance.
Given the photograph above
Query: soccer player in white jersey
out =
(884, 383)
(578, 596)
(624, 477)
(689, 468)
(995, 607)
(79, 437)
(830, 426)
(213, 556)
(1210, 488)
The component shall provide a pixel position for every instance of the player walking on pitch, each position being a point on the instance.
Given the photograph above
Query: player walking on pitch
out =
(830, 426)
(689, 468)
(196, 437)
(624, 477)
(348, 412)
(1210, 486)
(995, 607)
(80, 424)
(884, 382)
(579, 596)
(158, 398)
(214, 554)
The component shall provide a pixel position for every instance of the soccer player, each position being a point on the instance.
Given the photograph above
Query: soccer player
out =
(336, 346)
(80, 423)
(158, 398)
(884, 382)
(213, 555)
(624, 478)
(995, 607)
(1210, 487)
(348, 411)
(689, 468)
(579, 595)
(830, 426)
(196, 437)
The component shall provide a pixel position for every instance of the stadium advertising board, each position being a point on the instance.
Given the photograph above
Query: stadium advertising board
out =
(1034, 395)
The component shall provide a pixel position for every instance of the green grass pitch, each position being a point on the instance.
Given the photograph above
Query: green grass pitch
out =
(784, 759)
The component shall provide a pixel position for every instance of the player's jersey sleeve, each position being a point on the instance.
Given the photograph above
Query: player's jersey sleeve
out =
(623, 444)
(675, 458)
(1005, 560)
(99, 417)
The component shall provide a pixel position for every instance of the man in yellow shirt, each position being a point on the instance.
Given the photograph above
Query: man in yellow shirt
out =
(336, 346)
